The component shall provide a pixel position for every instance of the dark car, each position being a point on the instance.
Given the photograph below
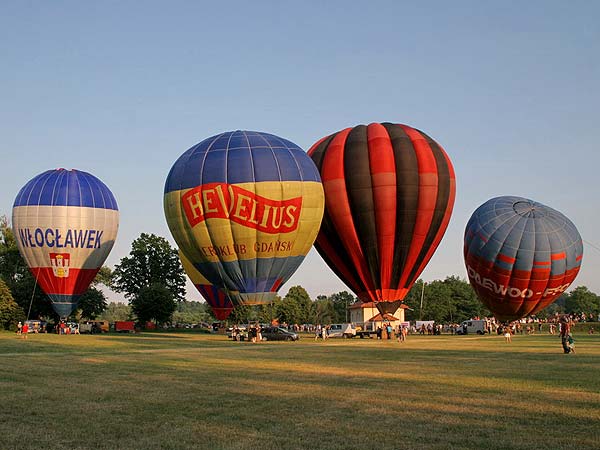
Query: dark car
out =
(278, 334)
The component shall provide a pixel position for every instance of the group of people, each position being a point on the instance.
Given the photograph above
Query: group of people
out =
(254, 333)
(565, 325)
(30, 326)
(64, 328)
(23, 329)
(402, 333)
(321, 332)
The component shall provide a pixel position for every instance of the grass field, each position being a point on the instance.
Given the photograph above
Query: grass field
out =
(178, 391)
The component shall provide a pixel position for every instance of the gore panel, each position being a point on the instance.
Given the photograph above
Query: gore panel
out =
(357, 174)
(441, 203)
(329, 244)
(407, 197)
(332, 249)
(317, 151)
(383, 179)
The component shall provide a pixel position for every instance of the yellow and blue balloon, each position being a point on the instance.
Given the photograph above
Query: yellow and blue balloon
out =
(245, 208)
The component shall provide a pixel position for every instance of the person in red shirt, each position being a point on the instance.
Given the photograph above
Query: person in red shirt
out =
(25, 330)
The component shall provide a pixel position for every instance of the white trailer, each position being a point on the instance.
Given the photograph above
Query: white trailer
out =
(475, 326)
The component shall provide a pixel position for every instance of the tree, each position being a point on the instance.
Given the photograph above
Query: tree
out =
(581, 300)
(104, 276)
(10, 312)
(438, 304)
(92, 303)
(18, 278)
(116, 311)
(296, 307)
(341, 301)
(323, 310)
(449, 301)
(151, 261)
(154, 302)
(413, 301)
(464, 298)
(241, 314)
(191, 312)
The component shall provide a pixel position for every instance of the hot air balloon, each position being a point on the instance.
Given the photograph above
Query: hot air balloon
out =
(520, 255)
(389, 193)
(65, 223)
(216, 298)
(245, 208)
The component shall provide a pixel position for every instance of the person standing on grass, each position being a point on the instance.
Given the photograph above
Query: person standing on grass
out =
(19, 327)
(565, 333)
(25, 330)
(402, 332)
(507, 334)
(258, 333)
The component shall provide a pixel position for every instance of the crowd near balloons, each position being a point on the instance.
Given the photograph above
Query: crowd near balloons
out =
(245, 208)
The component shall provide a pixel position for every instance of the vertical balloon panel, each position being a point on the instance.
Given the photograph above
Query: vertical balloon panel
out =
(217, 299)
(245, 208)
(65, 223)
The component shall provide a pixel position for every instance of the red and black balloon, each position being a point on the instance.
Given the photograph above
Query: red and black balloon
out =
(389, 194)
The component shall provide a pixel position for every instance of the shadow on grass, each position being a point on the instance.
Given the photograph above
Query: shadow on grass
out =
(214, 393)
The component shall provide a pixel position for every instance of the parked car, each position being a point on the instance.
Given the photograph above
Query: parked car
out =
(94, 326)
(237, 333)
(278, 334)
(343, 330)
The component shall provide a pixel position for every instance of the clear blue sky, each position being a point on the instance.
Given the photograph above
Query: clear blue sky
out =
(121, 88)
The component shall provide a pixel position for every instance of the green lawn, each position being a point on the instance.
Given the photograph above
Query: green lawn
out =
(177, 391)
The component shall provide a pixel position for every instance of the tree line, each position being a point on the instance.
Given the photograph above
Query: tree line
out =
(152, 280)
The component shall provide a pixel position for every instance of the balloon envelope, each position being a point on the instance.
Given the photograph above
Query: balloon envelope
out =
(216, 298)
(65, 223)
(245, 208)
(520, 255)
(389, 194)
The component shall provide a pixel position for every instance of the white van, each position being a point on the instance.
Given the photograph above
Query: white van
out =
(343, 330)
(472, 327)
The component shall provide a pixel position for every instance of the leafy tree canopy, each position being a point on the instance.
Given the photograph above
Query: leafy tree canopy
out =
(296, 307)
(92, 303)
(151, 261)
(116, 311)
(581, 300)
(18, 278)
(10, 312)
(446, 301)
(153, 303)
(191, 312)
